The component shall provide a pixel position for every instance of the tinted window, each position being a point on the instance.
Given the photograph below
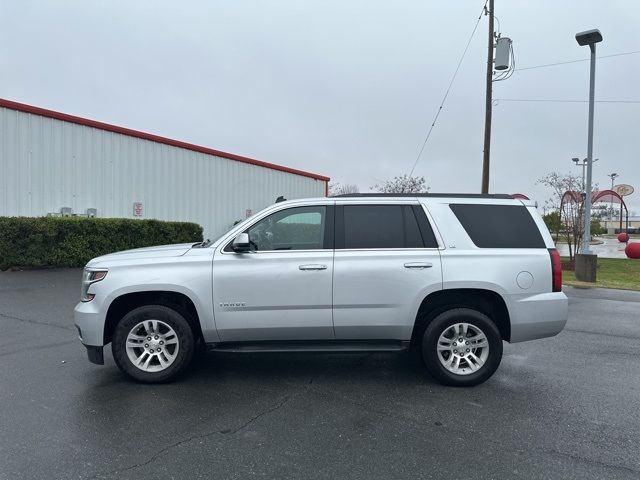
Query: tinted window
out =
(499, 226)
(428, 236)
(381, 226)
(413, 237)
(299, 228)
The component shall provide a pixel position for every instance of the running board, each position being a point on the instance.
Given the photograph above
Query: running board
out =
(310, 346)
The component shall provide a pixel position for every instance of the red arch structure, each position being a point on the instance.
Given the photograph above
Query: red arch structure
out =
(609, 196)
(519, 196)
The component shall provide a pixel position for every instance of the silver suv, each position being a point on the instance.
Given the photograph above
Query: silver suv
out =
(450, 276)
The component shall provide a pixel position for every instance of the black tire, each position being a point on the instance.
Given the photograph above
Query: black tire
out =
(439, 325)
(186, 343)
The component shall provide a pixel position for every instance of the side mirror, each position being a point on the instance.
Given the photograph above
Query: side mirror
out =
(241, 243)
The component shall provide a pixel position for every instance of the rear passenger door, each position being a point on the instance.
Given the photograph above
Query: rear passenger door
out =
(386, 261)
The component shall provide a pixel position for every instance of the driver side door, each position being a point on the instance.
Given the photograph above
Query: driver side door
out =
(281, 289)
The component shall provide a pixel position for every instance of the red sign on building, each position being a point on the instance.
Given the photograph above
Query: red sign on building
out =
(137, 209)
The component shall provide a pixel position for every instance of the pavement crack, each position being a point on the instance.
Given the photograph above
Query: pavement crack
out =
(619, 354)
(592, 461)
(41, 347)
(165, 449)
(498, 443)
(262, 414)
(350, 401)
(571, 330)
(35, 322)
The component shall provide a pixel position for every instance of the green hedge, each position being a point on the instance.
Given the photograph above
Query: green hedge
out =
(73, 241)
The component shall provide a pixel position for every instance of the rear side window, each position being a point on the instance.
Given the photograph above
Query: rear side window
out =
(381, 226)
(499, 226)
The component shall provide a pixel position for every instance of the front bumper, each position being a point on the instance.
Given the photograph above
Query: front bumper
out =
(89, 321)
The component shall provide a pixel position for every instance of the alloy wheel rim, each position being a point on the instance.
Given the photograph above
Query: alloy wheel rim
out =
(463, 348)
(152, 345)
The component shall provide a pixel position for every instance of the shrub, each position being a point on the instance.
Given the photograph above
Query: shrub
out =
(553, 222)
(597, 228)
(73, 241)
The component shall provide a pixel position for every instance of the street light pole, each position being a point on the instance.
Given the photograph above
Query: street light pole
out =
(587, 268)
(576, 160)
(583, 165)
(612, 176)
(587, 200)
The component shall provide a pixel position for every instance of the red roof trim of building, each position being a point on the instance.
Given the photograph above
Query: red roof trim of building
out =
(22, 107)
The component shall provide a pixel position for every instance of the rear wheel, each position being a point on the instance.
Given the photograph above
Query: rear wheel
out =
(153, 344)
(462, 347)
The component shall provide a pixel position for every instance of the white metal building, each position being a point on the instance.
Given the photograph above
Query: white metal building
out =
(50, 161)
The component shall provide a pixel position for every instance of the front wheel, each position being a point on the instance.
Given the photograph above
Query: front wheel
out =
(153, 344)
(462, 347)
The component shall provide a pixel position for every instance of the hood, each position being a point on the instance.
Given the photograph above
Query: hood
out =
(161, 251)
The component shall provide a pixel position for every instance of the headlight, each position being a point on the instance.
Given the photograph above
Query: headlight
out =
(89, 277)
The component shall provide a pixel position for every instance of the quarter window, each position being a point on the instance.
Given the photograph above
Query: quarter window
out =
(499, 226)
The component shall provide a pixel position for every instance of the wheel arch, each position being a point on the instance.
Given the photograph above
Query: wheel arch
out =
(127, 302)
(489, 302)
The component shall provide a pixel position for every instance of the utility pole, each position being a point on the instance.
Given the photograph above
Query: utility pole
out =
(488, 107)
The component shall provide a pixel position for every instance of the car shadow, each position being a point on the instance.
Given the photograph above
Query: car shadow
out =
(401, 368)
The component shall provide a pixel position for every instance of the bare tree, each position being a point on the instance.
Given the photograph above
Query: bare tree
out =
(403, 184)
(559, 183)
(572, 214)
(347, 188)
(571, 211)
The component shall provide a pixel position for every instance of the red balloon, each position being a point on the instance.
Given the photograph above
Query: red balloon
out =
(633, 250)
(623, 237)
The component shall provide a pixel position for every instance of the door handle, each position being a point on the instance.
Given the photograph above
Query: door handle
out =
(418, 265)
(313, 266)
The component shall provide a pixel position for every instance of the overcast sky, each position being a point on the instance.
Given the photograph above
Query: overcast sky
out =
(342, 88)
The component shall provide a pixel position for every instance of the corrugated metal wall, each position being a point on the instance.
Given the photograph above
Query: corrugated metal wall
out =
(46, 164)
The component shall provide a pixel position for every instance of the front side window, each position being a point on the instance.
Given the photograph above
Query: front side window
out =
(298, 228)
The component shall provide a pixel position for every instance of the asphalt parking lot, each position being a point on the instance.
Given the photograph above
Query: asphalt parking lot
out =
(564, 407)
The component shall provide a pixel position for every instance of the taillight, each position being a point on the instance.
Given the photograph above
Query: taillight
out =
(556, 270)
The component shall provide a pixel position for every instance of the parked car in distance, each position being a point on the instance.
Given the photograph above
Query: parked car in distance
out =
(450, 275)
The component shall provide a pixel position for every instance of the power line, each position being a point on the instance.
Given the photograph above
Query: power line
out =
(576, 61)
(455, 73)
(561, 100)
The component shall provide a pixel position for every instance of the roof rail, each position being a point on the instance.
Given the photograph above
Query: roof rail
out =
(413, 195)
